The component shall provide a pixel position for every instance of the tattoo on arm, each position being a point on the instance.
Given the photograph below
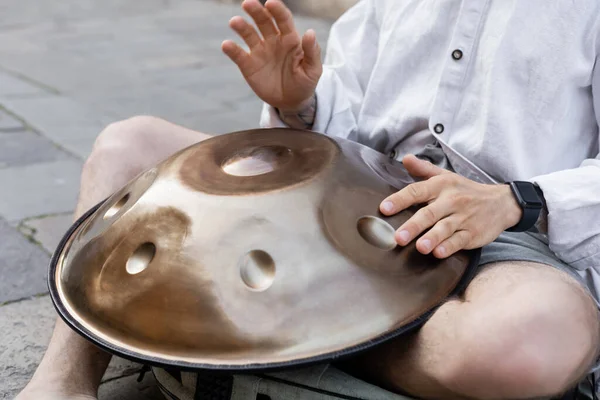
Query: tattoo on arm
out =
(304, 119)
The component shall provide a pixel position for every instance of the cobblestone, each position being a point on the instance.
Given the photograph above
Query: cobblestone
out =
(48, 230)
(8, 123)
(23, 266)
(25, 329)
(39, 189)
(26, 148)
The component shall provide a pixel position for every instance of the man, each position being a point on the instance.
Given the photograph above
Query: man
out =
(487, 91)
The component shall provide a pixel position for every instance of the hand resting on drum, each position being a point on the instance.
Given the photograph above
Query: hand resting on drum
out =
(459, 213)
(281, 67)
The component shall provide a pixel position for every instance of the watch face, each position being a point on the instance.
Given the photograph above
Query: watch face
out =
(529, 195)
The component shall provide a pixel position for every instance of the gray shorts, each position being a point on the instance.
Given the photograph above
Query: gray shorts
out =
(527, 246)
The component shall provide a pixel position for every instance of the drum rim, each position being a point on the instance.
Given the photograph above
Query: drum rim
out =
(474, 257)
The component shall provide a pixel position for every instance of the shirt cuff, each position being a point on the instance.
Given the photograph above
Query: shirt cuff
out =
(329, 102)
(269, 118)
(572, 207)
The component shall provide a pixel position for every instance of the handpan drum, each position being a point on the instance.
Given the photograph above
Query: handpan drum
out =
(252, 250)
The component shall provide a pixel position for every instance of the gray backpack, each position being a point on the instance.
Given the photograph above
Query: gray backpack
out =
(320, 382)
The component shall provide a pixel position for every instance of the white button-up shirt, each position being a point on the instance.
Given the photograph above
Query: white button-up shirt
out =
(509, 88)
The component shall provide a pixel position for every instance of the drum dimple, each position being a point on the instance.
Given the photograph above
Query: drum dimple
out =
(141, 258)
(115, 208)
(376, 232)
(257, 161)
(257, 270)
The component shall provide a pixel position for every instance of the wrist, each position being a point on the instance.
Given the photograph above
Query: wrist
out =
(302, 116)
(299, 108)
(513, 210)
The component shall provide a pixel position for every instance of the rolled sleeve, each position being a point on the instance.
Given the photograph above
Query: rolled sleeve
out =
(573, 202)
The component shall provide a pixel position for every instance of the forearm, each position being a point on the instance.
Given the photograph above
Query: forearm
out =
(303, 118)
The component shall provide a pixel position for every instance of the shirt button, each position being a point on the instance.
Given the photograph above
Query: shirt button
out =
(439, 128)
(457, 54)
(393, 154)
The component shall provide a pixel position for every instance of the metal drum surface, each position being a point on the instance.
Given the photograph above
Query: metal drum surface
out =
(251, 250)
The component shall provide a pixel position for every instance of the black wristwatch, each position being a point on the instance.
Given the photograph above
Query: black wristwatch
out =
(531, 200)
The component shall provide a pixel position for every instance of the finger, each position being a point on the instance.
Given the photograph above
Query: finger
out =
(458, 241)
(246, 31)
(237, 54)
(312, 55)
(441, 231)
(283, 16)
(420, 168)
(423, 219)
(415, 193)
(261, 17)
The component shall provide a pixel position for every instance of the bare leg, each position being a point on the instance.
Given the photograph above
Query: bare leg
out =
(522, 331)
(72, 367)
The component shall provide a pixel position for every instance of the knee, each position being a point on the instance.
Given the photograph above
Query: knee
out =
(126, 135)
(534, 350)
(120, 146)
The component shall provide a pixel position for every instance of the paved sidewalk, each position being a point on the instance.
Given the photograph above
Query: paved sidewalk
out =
(67, 68)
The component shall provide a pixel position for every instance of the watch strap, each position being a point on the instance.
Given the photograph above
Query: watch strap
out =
(530, 215)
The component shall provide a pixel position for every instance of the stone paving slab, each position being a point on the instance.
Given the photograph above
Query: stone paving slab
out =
(25, 329)
(23, 266)
(48, 231)
(219, 83)
(27, 147)
(162, 102)
(241, 118)
(8, 123)
(16, 13)
(165, 60)
(12, 86)
(63, 120)
(39, 189)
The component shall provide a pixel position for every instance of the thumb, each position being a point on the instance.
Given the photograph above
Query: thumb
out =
(420, 168)
(312, 55)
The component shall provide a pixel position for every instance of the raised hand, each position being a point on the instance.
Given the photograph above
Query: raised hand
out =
(282, 68)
